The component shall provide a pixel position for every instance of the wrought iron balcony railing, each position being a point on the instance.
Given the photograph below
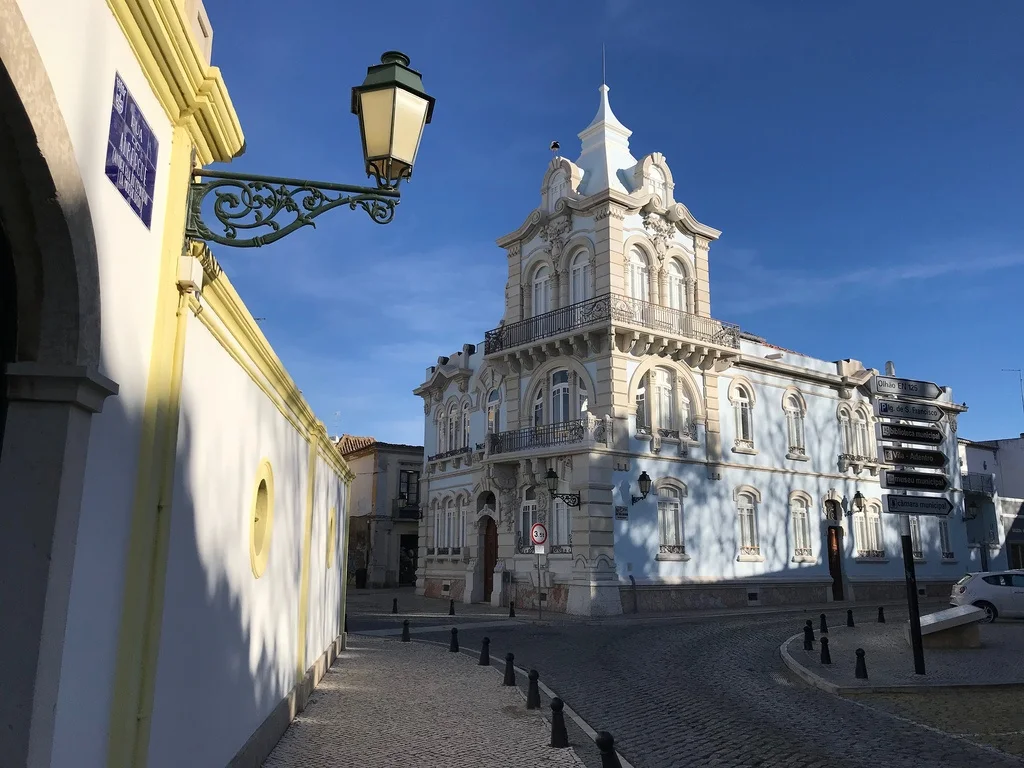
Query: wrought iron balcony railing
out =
(563, 433)
(611, 308)
(802, 552)
(977, 482)
(449, 454)
(525, 547)
(671, 549)
(405, 509)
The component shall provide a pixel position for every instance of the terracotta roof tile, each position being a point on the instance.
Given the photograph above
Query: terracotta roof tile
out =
(352, 443)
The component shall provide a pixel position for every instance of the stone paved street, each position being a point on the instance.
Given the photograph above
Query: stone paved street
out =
(713, 692)
(385, 704)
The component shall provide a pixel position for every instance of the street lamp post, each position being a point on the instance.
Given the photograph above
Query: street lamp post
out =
(393, 110)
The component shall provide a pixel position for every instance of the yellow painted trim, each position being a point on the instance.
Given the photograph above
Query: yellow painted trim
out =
(149, 526)
(259, 551)
(332, 535)
(192, 93)
(307, 546)
(344, 557)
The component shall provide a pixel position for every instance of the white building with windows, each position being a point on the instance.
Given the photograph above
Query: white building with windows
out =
(992, 478)
(608, 367)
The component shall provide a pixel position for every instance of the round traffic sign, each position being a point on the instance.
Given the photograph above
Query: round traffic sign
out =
(538, 533)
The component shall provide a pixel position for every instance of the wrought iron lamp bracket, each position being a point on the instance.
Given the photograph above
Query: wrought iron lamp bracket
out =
(242, 203)
(570, 499)
(637, 499)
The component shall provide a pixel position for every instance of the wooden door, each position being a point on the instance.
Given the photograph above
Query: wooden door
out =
(490, 556)
(835, 565)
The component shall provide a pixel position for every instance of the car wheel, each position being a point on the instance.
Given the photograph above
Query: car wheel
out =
(989, 609)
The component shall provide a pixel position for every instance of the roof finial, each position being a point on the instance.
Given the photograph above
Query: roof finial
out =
(604, 69)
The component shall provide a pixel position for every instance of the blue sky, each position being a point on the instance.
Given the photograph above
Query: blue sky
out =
(865, 161)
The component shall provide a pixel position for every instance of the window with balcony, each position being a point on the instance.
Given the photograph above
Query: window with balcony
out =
(677, 298)
(560, 534)
(527, 517)
(542, 291)
(464, 443)
(662, 405)
(637, 276)
(409, 487)
(671, 535)
(944, 542)
(567, 390)
(861, 441)
(846, 445)
(867, 531)
(800, 514)
(794, 407)
(580, 277)
(560, 397)
(494, 412)
(453, 428)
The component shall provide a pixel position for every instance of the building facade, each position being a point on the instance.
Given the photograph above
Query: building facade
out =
(384, 512)
(993, 483)
(608, 364)
(172, 511)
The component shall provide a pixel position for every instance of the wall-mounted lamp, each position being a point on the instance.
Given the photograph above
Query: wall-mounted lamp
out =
(644, 481)
(570, 499)
(857, 505)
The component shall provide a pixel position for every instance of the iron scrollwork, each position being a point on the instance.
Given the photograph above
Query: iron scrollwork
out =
(242, 203)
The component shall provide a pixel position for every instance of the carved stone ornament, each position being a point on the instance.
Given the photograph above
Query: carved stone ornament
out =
(701, 243)
(542, 505)
(609, 210)
(515, 250)
(555, 233)
(438, 395)
(426, 405)
(952, 422)
(463, 385)
(660, 231)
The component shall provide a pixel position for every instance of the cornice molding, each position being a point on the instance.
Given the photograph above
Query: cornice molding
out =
(192, 93)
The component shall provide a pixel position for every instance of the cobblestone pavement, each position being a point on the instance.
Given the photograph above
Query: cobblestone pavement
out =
(370, 609)
(385, 704)
(714, 692)
(992, 716)
(890, 660)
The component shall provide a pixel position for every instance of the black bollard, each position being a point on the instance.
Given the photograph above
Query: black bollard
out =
(511, 610)
(510, 670)
(451, 608)
(606, 744)
(881, 615)
(405, 631)
(862, 668)
(824, 625)
(394, 605)
(826, 657)
(559, 736)
(849, 617)
(485, 653)
(808, 636)
(453, 646)
(533, 691)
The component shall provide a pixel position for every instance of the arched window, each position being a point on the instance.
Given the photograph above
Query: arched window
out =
(453, 427)
(659, 184)
(676, 286)
(915, 537)
(800, 511)
(860, 435)
(944, 543)
(581, 395)
(746, 508)
(528, 514)
(643, 419)
(465, 425)
(637, 282)
(560, 397)
(538, 408)
(541, 290)
(664, 392)
(494, 412)
(845, 432)
(795, 425)
(442, 433)
(867, 531)
(743, 408)
(579, 277)
(437, 525)
(671, 539)
(457, 529)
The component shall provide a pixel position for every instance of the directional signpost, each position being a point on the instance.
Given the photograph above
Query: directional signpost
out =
(906, 400)
(539, 537)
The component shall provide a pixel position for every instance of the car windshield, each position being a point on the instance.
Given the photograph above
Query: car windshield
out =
(964, 580)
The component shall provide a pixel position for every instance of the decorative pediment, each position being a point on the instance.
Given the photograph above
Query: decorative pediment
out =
(652, 178)
(561, 180)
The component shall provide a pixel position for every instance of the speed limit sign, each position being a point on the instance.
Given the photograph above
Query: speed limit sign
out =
(539, 536)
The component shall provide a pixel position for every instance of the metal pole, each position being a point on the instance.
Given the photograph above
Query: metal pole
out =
(909, 573)
(539, 584)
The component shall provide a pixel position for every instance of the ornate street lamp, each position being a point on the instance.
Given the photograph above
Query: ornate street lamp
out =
(570, 499)
(857, 505)
(644, 481)
(393, 110)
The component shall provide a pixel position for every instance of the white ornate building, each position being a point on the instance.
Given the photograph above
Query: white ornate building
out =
(607, 364)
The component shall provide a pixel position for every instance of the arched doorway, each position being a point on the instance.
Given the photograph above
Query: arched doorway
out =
(489, 530)
(834, 546)
(50, 345)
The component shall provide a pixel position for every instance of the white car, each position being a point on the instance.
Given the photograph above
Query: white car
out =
(998, 593)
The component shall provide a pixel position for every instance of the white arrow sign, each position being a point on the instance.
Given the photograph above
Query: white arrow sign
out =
(895, 409)
(917, 505)
(890, 385)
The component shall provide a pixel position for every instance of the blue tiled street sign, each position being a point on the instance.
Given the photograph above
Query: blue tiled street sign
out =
(132, 151)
